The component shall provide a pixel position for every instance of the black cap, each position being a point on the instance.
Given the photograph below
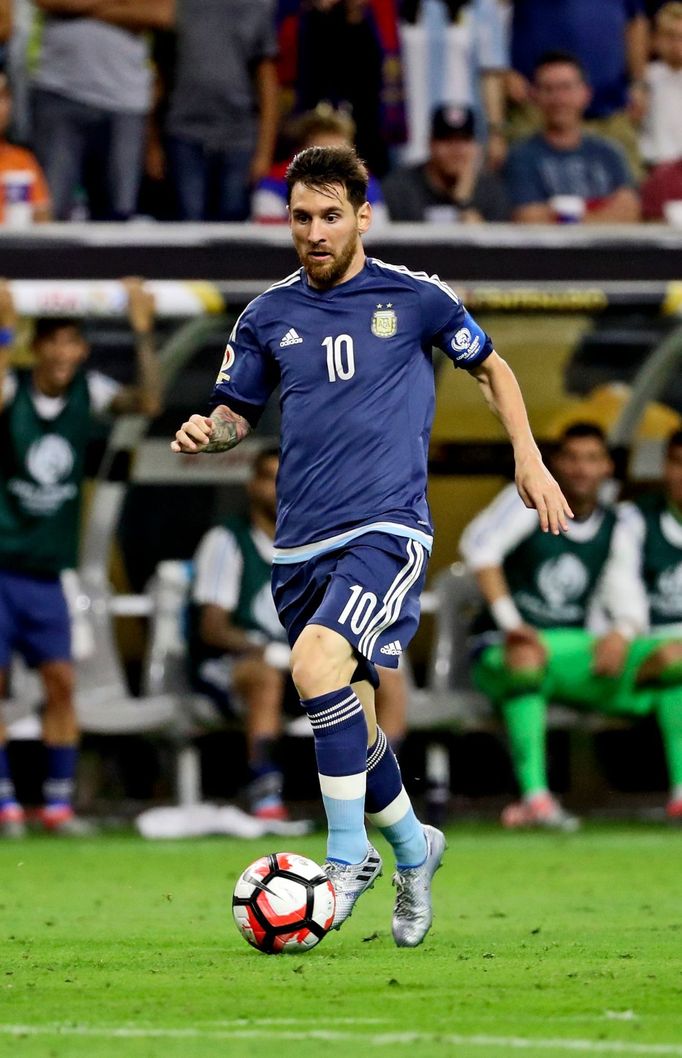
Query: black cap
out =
(450, 121)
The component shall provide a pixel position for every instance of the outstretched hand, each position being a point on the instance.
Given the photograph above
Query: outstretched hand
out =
(538, 489)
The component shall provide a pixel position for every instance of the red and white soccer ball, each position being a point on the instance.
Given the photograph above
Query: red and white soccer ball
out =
(283, 903)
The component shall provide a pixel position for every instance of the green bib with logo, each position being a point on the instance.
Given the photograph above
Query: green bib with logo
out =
(552, 578)
(661, 565)
(254, 605)
(42, 463)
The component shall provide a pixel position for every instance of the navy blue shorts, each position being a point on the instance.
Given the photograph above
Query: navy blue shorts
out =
(367, 591)
(34, 619)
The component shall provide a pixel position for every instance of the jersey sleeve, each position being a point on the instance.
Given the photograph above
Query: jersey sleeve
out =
(449, 326)
(218, 565)
(248, 373)
(497, 530)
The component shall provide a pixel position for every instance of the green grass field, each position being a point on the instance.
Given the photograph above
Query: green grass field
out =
(543, 944)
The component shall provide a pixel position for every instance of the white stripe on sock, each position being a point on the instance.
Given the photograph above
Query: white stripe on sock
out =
(338, 718)
(344, 787)
(392, 813)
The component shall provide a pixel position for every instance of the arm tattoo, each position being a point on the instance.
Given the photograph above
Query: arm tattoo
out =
(228, 430)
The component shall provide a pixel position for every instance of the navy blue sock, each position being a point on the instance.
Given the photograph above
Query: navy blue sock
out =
(340, 732)
(60, 783)
(266, 780)
(8, 797)
(388, 806)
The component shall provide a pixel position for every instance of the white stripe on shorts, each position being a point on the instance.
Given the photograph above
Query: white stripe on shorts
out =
(393, 599)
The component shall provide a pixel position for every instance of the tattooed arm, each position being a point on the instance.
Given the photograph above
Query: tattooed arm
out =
(222, 431)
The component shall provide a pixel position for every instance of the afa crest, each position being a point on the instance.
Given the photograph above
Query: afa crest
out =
(384, 322)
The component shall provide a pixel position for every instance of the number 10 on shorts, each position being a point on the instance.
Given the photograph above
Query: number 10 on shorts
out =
(359, 608)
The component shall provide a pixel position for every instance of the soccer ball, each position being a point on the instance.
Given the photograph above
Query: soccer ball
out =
(283, 903)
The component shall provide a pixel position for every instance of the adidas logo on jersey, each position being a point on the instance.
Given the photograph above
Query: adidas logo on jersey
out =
(394, 649)
(290, 338)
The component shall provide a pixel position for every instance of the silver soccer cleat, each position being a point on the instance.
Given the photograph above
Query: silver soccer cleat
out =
(350, 881)
(412, 914)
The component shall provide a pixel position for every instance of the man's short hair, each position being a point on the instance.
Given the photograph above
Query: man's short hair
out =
(323, 167)
(45, 326)
(558, 57)
(674, 441)
(579, 430)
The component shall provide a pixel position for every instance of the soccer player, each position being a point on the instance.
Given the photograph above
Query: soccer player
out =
(349, 339)
(44, 428)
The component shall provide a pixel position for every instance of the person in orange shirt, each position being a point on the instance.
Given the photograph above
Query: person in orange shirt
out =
(19, 159)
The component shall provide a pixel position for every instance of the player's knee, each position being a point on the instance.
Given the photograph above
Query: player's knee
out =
(58, 678)
(663, 665)
(525, 657)
(321, 661)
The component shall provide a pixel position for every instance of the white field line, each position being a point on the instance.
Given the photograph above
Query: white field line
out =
(364, 1039)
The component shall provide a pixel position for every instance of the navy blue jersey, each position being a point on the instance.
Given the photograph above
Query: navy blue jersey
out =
(357, 398)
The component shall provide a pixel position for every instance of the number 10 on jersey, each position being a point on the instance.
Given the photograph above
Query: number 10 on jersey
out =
(340, 357)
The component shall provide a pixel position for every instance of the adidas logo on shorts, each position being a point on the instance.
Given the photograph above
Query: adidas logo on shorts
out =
(290, 338)
(394, 649)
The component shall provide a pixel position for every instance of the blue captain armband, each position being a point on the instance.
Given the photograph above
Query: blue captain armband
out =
(470, 345)
(6, 336)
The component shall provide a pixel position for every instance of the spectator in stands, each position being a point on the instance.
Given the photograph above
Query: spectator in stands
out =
(663, 185)
(610, 39)
(564, 160)
(662, 130)
(455, 53)
(19, 163)
(5, 29)
(238, 649)
(361, 72)
(542, 593)
(223, 114)
(452, 185)
(654, 527)
(91, 97)
(322, 127)
(44, 428)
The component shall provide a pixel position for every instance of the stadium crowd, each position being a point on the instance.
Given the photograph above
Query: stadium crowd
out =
(464, 110)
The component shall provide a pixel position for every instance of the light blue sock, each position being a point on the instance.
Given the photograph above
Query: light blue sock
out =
(389, 808)
(340, 732)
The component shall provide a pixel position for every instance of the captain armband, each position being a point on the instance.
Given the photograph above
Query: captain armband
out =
(505, 613)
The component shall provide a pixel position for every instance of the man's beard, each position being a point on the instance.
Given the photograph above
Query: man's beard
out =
(330, 272)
